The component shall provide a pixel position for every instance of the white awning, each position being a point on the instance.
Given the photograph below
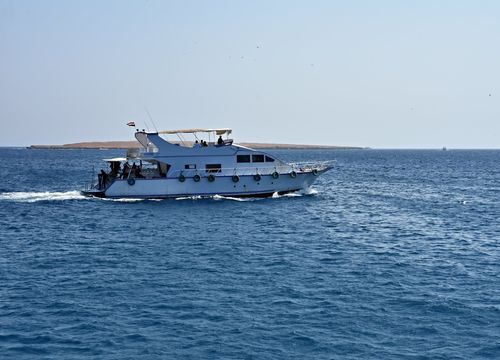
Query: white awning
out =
(131, 159)
(192, 131)
(116, 159)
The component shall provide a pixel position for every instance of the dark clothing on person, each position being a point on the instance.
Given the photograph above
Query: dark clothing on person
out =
(115, 169)
(103, 179)
(126, 169)
(220, 141)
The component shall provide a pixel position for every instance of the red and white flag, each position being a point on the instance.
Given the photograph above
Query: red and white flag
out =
(131, 123)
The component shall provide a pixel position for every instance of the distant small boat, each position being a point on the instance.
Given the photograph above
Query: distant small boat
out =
(444, 148)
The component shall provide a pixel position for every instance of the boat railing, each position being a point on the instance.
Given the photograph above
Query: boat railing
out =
(91, 184)
(313, 165)
(254, 170)
(299, 167)
(230, 171)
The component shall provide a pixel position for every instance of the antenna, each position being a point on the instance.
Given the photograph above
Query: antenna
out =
(151, 119)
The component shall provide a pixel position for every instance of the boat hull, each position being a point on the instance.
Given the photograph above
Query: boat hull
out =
(245, 186)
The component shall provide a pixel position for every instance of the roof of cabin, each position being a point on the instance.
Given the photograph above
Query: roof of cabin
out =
(192, 131)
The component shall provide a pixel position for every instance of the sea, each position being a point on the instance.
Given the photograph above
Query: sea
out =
(393, 254)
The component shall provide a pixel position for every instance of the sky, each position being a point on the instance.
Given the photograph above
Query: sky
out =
(381, 74)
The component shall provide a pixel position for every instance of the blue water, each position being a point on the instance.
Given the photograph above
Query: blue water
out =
(393, 255)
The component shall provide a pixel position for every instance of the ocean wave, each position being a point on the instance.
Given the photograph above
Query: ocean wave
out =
(32, 196)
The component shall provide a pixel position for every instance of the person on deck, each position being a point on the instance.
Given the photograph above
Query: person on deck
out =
(115, 169)
(134, 170)
(103, 177)
(196, 144)
(220, 141)
(126, 169)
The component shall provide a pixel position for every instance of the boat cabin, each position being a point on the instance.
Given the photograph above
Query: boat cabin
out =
(162, 158)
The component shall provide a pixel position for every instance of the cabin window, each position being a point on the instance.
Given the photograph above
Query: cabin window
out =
(212, 168)
(269, 159)
(190, 166)
(243, 158)
(258, 158)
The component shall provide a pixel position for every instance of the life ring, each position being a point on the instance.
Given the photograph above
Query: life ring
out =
(182, 178)
(315, 172)
(197, 178)
(131, 181)
(293, 174)
(275, 175)
(256, 177)
(211, 178)
(235, 178)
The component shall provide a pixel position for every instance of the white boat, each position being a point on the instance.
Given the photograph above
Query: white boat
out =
(165, 169)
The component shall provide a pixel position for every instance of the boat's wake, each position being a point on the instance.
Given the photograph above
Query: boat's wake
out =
(215, 198)
(221, 197)
(33, 196)
(308, 192)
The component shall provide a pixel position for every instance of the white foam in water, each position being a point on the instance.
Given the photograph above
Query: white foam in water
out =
(246, 199)
(76, 195)
(307, 192)
(197, 197)
(125, 200)
(310, 191)
(41, 196)
(214, 197)
(219, 197)
(57, 196)
(294, 194)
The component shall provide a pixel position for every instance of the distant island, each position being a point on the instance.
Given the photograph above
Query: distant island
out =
(135, 145)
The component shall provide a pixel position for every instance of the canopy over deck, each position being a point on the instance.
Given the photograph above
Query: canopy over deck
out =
(115, 159)
(192, 131)
(121, 159)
